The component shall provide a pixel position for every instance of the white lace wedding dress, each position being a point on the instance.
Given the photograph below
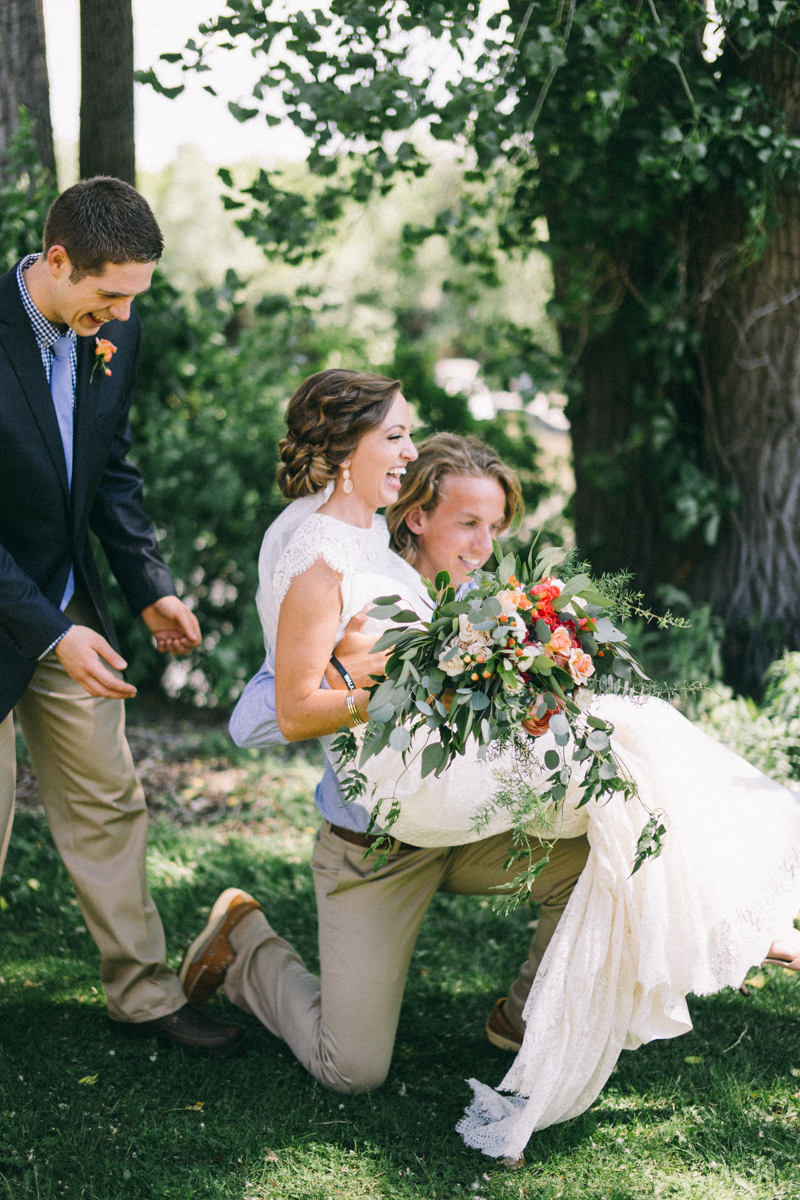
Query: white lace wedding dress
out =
(628, 949)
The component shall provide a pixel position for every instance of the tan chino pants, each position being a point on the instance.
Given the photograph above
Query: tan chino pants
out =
(96, 811)
(342, 1026)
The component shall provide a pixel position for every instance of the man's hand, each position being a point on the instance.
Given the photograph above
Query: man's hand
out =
(81, 652)
(173, 625)
(353, 652)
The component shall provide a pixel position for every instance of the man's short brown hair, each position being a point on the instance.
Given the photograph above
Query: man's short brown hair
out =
(100, 221)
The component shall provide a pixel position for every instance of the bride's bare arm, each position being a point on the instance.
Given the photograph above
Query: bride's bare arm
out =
(307, 627)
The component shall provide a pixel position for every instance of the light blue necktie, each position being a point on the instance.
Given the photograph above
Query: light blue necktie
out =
(64, 402)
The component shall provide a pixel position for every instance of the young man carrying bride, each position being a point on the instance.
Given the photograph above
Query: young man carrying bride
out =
(446, 505)
(628, 948)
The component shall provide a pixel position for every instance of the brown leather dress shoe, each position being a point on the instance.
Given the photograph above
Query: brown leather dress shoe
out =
(500, 1031)
(191, 1029)
(206, 962)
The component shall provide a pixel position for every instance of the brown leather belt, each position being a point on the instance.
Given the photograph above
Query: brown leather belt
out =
(367, 839)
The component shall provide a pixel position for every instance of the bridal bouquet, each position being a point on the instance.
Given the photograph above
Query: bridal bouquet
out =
(509, 660)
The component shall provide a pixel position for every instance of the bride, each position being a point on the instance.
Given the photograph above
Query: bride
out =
(628, 948)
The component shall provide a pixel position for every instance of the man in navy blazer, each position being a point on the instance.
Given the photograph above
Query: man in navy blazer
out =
(65, 394)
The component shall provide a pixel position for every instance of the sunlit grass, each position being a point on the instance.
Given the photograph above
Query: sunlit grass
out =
(158, 1122)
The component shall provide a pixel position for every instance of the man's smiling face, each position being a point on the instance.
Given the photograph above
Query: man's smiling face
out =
(457, 535)
(86, 305)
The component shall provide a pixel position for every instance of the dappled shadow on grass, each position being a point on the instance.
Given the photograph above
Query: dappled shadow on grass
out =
(117, 1118)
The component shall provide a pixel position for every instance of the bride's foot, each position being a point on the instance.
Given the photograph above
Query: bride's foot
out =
(785, 952)
(207, 960)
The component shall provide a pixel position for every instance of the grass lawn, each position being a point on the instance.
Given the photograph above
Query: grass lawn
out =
(87, 1114)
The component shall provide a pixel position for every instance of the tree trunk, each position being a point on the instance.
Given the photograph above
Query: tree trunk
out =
(23, 76)
(750, 360)
(745, 411)
(106, 137)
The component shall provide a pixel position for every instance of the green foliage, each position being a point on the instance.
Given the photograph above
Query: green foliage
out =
(26, 192)
(766, 734)
(689, 650)
(601, 116)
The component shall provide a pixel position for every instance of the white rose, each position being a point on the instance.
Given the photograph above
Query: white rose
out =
(454, 665)
(517, 628)
(525, 661)
(471, 640)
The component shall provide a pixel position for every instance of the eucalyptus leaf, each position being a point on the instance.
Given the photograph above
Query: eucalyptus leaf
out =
(551, 759)
(383, 713)
(559, 725)
(433, 757)
(479, 701)
(543, 631)
(575, 585)
(385, 641)
(400, 739)
(608, 769)
(597, 741)
(506, 568)
(386, 693)
(607, 631)
(383, 614)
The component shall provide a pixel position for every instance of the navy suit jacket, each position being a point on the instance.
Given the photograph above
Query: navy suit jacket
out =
(44, 525)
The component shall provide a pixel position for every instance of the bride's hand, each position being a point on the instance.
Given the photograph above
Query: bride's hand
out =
(538, 726)
(353, 652)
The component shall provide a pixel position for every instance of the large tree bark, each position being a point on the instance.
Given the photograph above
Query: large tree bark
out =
(746, 411)
(106, 137)
(750, 358)
(23, 75)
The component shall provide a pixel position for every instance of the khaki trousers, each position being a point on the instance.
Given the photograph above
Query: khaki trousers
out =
(96, 811)
(342, 1026)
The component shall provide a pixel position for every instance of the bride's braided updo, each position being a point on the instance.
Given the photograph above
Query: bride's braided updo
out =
(326, 419)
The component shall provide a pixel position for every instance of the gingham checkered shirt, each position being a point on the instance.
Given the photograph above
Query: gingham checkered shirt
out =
(46, 335)
(45, 331)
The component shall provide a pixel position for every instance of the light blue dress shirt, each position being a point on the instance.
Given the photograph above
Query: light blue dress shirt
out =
(253, 724)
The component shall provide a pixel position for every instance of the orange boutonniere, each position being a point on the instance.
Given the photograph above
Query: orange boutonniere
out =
(104, 351)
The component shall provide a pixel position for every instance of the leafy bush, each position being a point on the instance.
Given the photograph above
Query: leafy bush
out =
(674, 655)
(26, 193)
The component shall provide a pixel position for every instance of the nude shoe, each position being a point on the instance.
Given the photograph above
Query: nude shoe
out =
(791, 964)
(207, 960)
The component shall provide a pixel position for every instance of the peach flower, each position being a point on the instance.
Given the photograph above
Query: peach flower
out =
(560, 642)
(580, 665)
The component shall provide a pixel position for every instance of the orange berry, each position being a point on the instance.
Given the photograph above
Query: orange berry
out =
(487, 674)
(480, 658)
(502, 619)
(519, 652)
(475, 676)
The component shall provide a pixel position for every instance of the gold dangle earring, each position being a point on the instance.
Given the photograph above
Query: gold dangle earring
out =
(347, 486)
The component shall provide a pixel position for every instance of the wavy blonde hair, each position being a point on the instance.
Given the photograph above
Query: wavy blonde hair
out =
(440, 456)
